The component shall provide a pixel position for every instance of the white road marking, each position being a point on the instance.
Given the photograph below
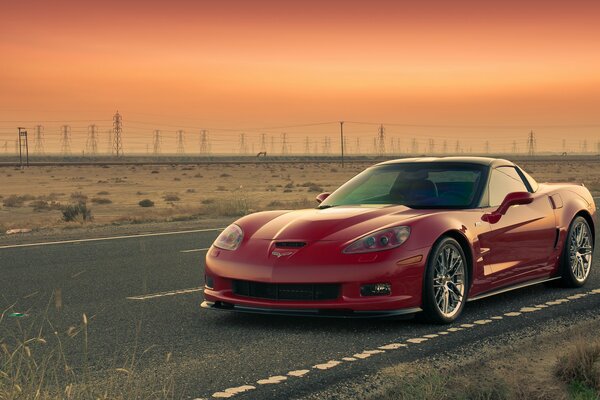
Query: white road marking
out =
(392, 346)
(529, 309)
(194, 250)
(417, 340)
(512, 314)
(12, 246)
(298, 373)
(327, 365)
(432, 336)
(272, 380)
(163, 294)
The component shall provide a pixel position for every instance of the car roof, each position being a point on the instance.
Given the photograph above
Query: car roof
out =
(487, 161)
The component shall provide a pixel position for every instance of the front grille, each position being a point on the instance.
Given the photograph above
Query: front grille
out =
(293, 245)
(286, 291)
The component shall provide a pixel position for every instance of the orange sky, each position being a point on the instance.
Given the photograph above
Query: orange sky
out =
(241, 64)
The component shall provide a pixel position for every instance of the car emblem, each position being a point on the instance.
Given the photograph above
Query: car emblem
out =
(282, 254)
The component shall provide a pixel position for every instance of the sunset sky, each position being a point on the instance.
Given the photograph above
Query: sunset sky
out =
(466, 69)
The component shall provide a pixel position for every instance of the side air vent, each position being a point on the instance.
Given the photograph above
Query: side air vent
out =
(293, 245)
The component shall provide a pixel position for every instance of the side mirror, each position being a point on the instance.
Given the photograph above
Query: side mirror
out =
(511, 199)
(322, 197)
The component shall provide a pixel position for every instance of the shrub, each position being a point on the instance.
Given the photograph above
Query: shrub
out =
(13, 201)
(101, 200)
(225, 175)
(78, 196)
(208, 201)
(103, 193)
(315, 188)
(171, 197)
(42, 205)
(581, 365)
(191, 190)
(76, 212)
(146, 203)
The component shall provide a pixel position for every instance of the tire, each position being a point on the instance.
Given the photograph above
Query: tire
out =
(445, 283)
(576, 259)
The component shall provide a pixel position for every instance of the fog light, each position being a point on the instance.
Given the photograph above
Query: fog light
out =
(376, 289)
(209, 282)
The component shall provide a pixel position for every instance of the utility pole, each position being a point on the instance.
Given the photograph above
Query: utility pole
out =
(204, 143)
(23, 146)
(65, 140)
(531, 144)
(180, 143)
(117, 129)
(381, 141)
(342, 141)
(39, 140)
(91, 145)
(156, 142)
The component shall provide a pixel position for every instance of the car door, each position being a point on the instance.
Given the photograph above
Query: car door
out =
(522, 240)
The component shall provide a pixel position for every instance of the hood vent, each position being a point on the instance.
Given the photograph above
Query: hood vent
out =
(290, 245)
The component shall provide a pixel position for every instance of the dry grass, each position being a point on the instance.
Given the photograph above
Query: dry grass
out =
(205, 189)
(581, 366)
(34, 365)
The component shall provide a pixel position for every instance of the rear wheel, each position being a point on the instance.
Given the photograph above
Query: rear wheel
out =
(445, 283)
(577, 253)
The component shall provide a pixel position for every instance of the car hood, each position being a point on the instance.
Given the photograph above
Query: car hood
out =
(335, 223)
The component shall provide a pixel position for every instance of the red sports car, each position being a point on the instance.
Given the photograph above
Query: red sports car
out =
(418, 235)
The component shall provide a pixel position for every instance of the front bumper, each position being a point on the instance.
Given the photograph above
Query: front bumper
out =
(310, 312)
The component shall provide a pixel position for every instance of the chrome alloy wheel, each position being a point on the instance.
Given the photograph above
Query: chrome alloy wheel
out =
(449, 280)
(580, 251)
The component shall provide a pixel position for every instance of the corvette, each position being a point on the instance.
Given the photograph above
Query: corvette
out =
(418, 235)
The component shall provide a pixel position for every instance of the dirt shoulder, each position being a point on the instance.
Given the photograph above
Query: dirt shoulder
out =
(519, 366)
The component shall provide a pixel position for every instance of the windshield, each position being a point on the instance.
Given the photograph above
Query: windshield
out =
(416, 185)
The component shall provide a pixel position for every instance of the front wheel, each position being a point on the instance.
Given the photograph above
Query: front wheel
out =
(577, 254)
(445, 282)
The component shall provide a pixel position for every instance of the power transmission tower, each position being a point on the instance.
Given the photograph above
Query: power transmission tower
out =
(65, 140)
(23, 146)
(91, 145)
(326, 145)
(584, 146)
(39, 140)
(381, 141)
(514, 147)
(284, 145)
(117, 129)
(531, 144)
(243, 144)
(156, 142)
(487, 147)
(263, 143)
(6, 146)
(204, 143)
(431, 146)
(180, 142)
(445, 147)
(357, 145)
(306, 146)
(272, 144)
(415, 146)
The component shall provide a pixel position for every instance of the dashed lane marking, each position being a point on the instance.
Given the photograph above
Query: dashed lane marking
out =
(164, 294)
(391, 347)
(194, 250)
(12, 246)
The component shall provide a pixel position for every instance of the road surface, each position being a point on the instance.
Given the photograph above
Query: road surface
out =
(155, 280)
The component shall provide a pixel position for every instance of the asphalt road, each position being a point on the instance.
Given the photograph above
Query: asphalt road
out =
(143, 293)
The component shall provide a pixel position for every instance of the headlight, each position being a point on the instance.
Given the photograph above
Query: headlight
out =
(230, 238)
(381, 240)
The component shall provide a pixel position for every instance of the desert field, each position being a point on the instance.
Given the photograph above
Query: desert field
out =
(35, 197)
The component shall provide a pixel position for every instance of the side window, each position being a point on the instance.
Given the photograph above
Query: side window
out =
(504, 180)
